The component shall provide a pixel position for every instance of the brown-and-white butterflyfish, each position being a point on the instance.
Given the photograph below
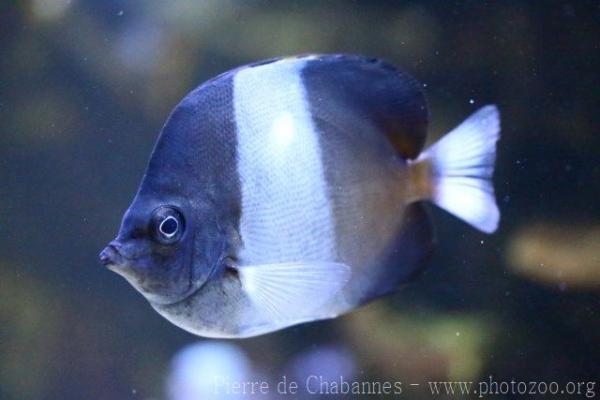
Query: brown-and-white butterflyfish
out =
(295, 189)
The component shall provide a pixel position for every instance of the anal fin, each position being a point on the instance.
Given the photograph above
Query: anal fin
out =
(408, 255)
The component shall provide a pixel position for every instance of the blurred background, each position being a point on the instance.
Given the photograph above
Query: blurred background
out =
(85, 87)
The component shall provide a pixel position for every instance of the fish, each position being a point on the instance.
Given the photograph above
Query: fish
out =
(296, 189)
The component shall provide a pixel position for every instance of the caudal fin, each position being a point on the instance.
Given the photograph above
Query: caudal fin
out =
(462, 165)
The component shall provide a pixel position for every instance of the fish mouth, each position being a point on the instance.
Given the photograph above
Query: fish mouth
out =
(111, 257)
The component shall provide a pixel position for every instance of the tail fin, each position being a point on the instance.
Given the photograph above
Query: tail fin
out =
(462, 165)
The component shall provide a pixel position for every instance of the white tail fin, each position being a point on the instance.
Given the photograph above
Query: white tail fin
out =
(463, 164)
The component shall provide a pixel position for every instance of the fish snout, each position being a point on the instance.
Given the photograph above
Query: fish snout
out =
(110, 255)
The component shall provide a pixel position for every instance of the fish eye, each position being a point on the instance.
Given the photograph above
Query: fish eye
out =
(167, 225)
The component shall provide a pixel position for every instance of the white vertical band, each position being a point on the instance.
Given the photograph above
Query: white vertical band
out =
(286, 212)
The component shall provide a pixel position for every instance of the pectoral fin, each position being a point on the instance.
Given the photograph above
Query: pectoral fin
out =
(291, 292)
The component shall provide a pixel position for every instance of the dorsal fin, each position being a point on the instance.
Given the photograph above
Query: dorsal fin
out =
(390, 98)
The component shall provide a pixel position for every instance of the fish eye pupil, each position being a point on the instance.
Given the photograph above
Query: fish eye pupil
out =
(169, 226)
